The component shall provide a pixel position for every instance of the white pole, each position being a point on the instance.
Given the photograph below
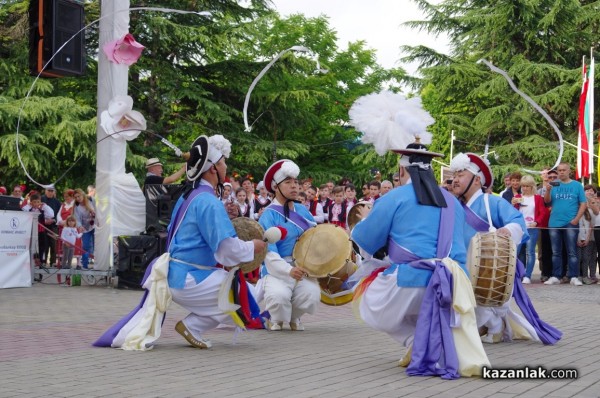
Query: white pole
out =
(452, 137)
(119, 198)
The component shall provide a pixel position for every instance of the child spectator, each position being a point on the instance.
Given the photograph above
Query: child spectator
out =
(337, 210)
(261, 201)
(587, 254)
(46, 217)
(69, 236)
(302, 199)
(314, 206)
(226, 193)
(374, 187)
(325, 200)
(242, 203)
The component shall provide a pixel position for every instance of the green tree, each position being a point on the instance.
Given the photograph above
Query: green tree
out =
(54, 129)
(539, 43)
(192, 79)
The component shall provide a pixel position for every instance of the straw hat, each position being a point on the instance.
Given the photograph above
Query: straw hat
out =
(153, 162)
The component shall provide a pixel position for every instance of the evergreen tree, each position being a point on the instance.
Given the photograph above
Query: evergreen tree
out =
(539, 43)
(192, 79)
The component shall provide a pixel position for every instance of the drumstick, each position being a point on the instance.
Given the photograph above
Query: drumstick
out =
(274, 234)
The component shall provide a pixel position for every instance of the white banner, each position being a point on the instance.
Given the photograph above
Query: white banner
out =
(15, 241)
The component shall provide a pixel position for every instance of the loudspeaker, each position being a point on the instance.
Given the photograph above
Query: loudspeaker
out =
(10, 203)
(135, 254)
(160, 201)
(52, 23)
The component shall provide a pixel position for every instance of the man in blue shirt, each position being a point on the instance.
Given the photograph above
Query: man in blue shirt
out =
(568, 203)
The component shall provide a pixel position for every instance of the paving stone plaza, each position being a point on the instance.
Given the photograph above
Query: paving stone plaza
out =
(47, 330)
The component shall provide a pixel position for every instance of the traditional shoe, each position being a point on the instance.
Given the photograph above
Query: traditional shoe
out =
(274, 326)
(492, 338)
(183, 330)
(297, 326)
(405, 360)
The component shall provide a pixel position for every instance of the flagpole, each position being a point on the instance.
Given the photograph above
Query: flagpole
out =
(590, 112)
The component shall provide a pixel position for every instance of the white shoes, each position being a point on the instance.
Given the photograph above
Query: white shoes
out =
(576, 282)
(552, 281)
(526, 281)
(275, 327)
(297, 326)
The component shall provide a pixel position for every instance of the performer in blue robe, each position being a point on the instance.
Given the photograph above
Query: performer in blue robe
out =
(424, 299)
(287, 290)
(200, 237)
(472, 175)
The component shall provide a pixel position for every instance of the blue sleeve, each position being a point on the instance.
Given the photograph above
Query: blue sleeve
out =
(458, 252)
(303, 211)
(505, 214)
(214, 223)
(372, 233)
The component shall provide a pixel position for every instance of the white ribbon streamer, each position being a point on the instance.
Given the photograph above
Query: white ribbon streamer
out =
(534, 104)
(303, 49)
(223, 302)
(159, 9)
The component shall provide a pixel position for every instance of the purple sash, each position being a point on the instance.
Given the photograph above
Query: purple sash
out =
(107, 338)
(547, 333)
(474, 221)
(296, 218)
(433, 352)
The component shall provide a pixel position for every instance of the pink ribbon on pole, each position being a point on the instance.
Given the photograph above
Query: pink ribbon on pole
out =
(124, 50)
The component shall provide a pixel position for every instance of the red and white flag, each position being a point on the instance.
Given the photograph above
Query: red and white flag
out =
(585, 136)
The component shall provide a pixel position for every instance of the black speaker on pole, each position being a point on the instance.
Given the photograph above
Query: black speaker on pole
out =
(135, 254)
(52, 23)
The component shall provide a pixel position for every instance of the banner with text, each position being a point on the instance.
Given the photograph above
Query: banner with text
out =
(15, 242)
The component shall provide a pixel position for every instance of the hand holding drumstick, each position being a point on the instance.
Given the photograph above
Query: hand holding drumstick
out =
(298, 273)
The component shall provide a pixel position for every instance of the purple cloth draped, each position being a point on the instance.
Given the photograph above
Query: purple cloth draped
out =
(433, 350)
(108, 337)
(547, 333)
(293, 216)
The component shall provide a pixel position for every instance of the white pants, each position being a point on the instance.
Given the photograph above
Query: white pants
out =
(392, 309)
(201, 299)
(506, 321)
(287, 300)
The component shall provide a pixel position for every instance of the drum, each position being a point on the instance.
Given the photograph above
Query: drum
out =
(323, 250)
(324, 253)
(332, 286)
(248, 229)
(491, 261)
(354, 215)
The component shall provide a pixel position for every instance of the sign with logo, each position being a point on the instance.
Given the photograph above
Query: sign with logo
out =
(15, 243)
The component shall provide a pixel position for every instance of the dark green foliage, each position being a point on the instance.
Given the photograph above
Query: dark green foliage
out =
(192, 79)
(539, 43)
